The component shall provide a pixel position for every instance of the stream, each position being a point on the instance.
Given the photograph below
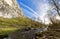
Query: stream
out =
(22, 34)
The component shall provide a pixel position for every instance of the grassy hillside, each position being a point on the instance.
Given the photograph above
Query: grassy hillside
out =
(10, 25)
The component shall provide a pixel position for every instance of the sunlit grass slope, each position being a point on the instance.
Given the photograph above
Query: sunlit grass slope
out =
(9, 25)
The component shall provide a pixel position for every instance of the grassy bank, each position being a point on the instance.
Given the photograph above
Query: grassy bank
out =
(10, 25)
(6, 31)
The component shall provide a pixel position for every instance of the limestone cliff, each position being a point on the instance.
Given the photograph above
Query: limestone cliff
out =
(10, 9)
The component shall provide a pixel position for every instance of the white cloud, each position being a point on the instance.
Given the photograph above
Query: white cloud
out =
(29, 13)
(34, 13)
(42, 11)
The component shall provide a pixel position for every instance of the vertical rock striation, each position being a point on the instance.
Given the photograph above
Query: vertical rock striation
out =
(10, 9)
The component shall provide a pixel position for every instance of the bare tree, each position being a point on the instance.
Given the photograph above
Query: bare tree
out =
(56, 6)
(54, 11)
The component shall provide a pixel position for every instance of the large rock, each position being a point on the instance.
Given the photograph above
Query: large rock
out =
(10, 9)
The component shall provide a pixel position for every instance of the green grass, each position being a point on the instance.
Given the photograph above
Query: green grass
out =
(4, 31)
(10, 25)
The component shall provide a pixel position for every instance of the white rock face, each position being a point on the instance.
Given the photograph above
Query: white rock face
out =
(10, 9)
(9, 2)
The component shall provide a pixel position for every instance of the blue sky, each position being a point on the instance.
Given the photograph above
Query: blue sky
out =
(35, 9)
